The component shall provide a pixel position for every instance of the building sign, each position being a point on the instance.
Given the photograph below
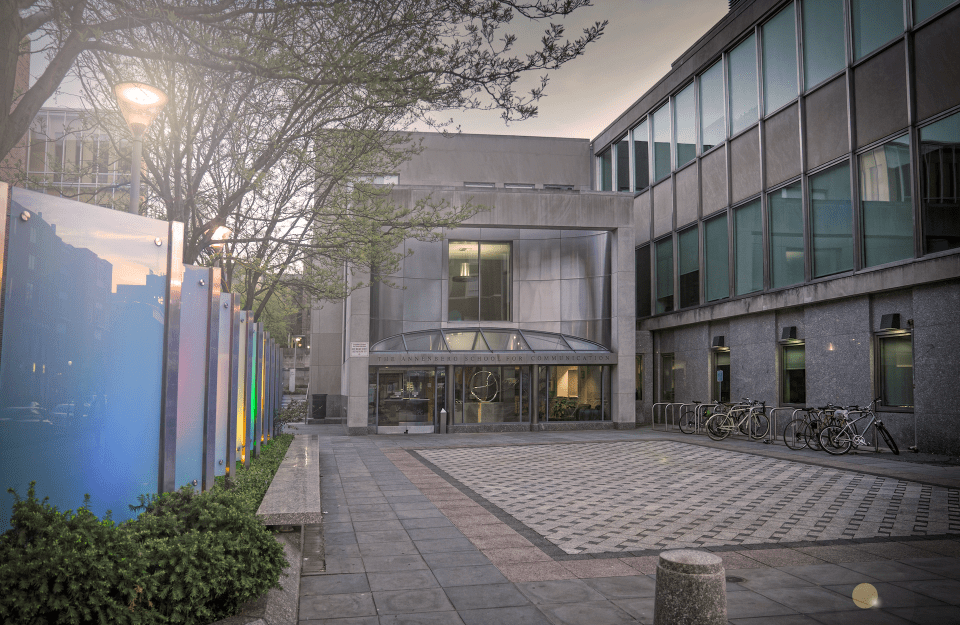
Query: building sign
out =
(487, 358)
(359, 350)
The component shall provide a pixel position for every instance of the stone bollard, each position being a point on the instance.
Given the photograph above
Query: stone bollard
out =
(691, 589)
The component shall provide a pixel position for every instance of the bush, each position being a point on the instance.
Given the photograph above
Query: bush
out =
(294, 412)
(188, 557)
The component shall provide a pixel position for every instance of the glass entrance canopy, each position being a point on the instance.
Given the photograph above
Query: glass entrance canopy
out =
(486, 340)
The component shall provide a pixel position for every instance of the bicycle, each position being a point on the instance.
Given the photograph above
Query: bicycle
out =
(748, 417)
(805, 431)
(838, 440)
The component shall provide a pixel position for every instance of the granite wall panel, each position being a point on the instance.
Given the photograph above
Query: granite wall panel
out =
(880, 92)
(782, 146)
(745, 165)
(828, 136)
(714, 181)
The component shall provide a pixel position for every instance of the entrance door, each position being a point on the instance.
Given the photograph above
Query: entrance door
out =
(406, 400)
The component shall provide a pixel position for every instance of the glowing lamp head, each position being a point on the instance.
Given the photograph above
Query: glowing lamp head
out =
(140, 104)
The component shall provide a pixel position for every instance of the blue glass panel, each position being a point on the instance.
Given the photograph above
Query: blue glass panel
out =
(192, 376)
(81, 368)
(225, 331)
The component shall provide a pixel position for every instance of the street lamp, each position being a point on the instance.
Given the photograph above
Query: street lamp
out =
(139, 104)
(297, 341)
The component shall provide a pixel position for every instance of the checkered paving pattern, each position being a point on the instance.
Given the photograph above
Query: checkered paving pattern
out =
(667, 494)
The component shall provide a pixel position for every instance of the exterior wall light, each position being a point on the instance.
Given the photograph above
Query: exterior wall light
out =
(139, 104)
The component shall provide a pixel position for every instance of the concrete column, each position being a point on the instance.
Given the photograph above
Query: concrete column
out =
(623, 330)
(691, 589)
(355, 370)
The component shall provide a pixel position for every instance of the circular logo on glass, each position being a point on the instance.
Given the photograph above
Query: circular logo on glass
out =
(484, 386)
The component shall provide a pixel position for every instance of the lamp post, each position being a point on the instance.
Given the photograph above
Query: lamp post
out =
(140, 104)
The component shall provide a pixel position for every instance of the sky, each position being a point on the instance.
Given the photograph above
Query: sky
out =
(584, 96)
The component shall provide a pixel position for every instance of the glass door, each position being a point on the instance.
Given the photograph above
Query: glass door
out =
(406, 397)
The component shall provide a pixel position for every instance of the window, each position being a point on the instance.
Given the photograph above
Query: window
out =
(742, 71)
(606, 170)
(623, 164)
(831, 219)
(639, 377)
(720, 388)
(794, 375)
(558, 187)
(886, 203)
(689, 267)
(685, 122)
(922, 9)
(480, 284)
(713, 126)
(786, 236)
(643, 281)
(666, 378)
(641, 157)
(779, 60)
(823, 47)
(940, 184)
(480, 185)
(896, 370)
(661, 143)
(716, 250)
(519, 185)
(576, 393)
(875, 22)
(664, 275)
(748, 248)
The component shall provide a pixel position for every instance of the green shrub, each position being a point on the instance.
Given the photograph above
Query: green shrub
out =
(70, 567)
(187, 558)
(295, 411)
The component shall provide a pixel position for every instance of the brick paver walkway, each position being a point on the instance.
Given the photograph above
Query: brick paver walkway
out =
(438, 530)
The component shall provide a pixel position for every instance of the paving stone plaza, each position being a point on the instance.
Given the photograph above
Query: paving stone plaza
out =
(566, 528)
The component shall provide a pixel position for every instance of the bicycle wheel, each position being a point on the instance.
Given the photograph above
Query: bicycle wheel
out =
(836, 441)
(688, 421)
(888, 439)
(761, 425)
(793, 436)
(717, 427)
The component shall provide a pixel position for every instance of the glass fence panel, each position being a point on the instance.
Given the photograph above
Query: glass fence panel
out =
(192, 374)
(81, 368)
(224, 334)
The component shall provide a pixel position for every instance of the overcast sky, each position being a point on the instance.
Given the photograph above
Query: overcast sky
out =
(641, 40)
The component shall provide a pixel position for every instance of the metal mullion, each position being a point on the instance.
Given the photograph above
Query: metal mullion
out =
(913, 132)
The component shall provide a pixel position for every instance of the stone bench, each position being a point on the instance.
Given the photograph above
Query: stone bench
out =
(293, 497)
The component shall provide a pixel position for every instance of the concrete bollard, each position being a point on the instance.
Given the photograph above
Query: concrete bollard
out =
(691, 589)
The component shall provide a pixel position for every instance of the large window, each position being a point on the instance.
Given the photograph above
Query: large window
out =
(794, 376)
(623, 164)
(786, 236)
(689, 267)
(480, 284)
(575, 393)
(779, 60)
(665, 275)
(685, 122)
(716, 251)
(641, 157)
(742, 70)
(661, 143)
(606, 170)
(823, 47)
(748, 248)
(940, 184)
(491, 394)
(896, 370)
(713, 122)
(886, 203)
(875, 22)
(831, 218)
(643, 281)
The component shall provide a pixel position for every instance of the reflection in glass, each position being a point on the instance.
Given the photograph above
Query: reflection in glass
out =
(666, 378)
(606, 170)
(742, 70)
(578, 393)
(786, 236)
(406, 396)
(581, 345)
(748, 248)
(664, 275)
(940, 184)
(82, 354)
(392, 344)
(823, 42)
(495, 282)
(685, 122)
(831, 219)
(689, 267)
(886, 203)
(623, 164)
(713, 127)
(922, 9)
(464, 266)
(716, 250)
(875, 22)
(492, 394)
(641, 157)
(661, 143)
(794, 374)
(504, 340)
(643, 281)
(425, 342)
(465, 341)
(896, 362)
(480, 281)
(779, 60)
(542, 342)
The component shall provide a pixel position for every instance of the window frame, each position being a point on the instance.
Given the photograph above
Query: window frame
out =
(782, 353)
(878, 373)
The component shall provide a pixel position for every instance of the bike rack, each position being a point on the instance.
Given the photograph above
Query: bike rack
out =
(771, 437)
(700, 418)
(653, 413)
